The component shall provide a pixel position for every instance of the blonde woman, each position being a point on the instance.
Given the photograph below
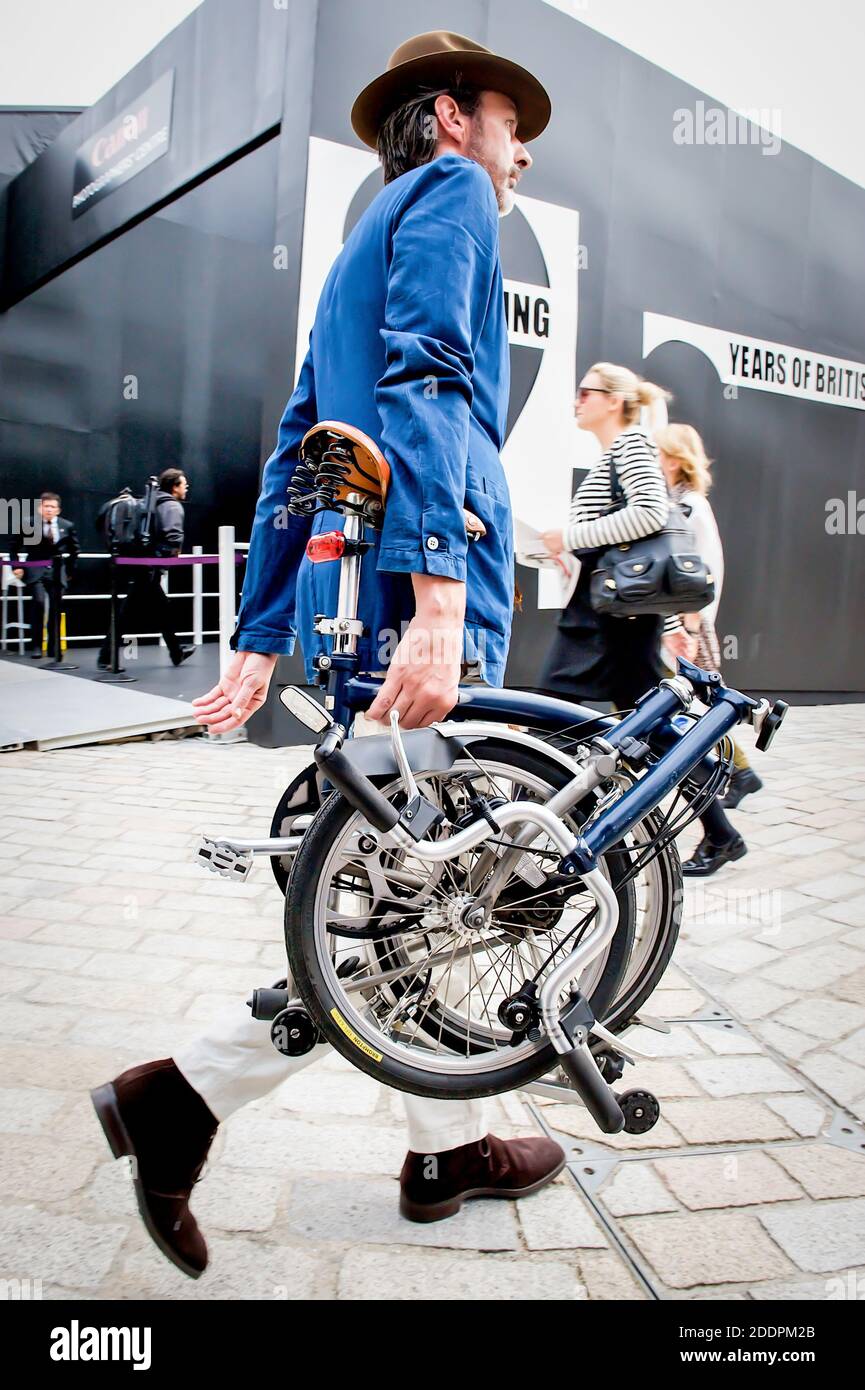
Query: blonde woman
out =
(688, 474)
(595, 657)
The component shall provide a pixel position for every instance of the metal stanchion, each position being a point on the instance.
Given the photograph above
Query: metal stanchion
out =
(227, 618)
(197, 599)
(117, 674)
(55, 647)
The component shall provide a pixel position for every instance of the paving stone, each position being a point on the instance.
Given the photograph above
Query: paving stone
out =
(140, 969)
(411, 1276)
(36, 1167)
(756, 998)
(853, 1048)
(821, 1237)
(196, 947)
(675, 1003)
(661, 1078)
(839, 1078)
(802, 1114)
(238, 1268)
(825, 1170)
(53, 1246)
(813, 969)
(851, 912)
(833, 887)
(574, 1120)
(122, 995)
(634, 1189)
(28, 1111)
(851, 988)
(267, 1139)
(706, 1248)
(725, 1121)
(222, 1202)
(558, 1218)
(314, 1092)
(787, 1041)
(822, 1018)
(608, 1277)
(22, 1020)
(32, 955)
(808, 1290)
(367, 1213)
(739, 1076)
(89, 938)
(725, 1039)
(71, 1068)
(740, 956)
(726, 1180)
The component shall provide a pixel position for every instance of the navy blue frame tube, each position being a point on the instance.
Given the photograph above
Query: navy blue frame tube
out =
(660, 780)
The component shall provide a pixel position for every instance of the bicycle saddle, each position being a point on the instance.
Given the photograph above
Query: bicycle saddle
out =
(346, 460)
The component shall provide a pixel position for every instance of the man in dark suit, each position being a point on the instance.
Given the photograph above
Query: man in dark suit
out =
(146, 604)
(54, 536)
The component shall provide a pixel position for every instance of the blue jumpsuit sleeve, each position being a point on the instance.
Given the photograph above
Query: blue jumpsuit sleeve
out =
(443, 268)
(265, 622)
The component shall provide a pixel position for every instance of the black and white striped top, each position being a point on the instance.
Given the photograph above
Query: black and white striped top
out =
(635, 458)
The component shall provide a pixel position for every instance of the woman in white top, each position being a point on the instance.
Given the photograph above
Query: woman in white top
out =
(688, 474)
(596, 657)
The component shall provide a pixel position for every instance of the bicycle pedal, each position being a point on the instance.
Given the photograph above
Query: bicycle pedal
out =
(222, 859)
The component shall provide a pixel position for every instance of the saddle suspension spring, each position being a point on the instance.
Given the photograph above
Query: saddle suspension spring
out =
(315, 481)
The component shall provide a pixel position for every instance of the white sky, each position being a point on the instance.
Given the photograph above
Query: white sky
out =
(803, 59)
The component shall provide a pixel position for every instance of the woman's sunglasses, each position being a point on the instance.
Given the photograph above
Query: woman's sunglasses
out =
(587, 391)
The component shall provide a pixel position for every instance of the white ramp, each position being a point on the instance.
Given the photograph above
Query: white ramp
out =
(47, 709)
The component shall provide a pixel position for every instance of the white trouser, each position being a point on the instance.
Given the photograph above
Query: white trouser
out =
(236, 1062)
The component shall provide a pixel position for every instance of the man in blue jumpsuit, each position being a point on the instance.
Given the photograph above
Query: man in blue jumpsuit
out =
(409, 345)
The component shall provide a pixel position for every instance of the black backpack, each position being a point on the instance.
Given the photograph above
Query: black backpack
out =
(128, 522)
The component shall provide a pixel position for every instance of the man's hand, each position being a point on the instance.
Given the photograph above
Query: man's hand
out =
(681, 643)
(238, 694)
(423, 678)
(19, 574)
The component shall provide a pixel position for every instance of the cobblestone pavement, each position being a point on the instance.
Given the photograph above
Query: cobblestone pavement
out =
(115, 946)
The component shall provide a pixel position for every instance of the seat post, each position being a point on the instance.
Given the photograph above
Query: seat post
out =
(345, 639)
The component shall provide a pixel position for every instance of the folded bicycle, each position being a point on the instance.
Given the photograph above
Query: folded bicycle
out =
(475, 906)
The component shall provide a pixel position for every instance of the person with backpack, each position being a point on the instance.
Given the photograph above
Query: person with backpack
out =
(156, 530)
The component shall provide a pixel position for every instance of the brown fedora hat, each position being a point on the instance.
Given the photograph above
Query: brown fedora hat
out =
(433, 58)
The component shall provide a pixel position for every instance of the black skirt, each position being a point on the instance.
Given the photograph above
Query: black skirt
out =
(595, 657)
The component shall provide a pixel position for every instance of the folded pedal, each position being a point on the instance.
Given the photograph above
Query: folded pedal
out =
(223, 859)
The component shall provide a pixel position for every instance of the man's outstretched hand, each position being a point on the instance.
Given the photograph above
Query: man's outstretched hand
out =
(238, 694)
(423, 678)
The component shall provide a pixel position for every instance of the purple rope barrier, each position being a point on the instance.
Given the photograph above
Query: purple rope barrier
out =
(161, 561)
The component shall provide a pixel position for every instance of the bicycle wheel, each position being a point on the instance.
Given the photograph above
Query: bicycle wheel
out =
(391, 976)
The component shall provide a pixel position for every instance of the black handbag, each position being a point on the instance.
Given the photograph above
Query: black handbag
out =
(661, 573)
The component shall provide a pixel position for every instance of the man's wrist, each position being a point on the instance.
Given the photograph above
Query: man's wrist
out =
(439, 599)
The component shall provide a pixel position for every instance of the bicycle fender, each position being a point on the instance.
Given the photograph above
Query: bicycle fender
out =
(426, 749)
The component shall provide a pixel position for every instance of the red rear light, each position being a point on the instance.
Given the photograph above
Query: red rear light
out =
(328, 546)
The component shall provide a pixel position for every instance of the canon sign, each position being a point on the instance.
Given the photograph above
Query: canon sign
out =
(124, 147)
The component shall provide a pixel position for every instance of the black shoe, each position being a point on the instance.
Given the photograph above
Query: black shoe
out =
(708, 858)
(35, 656)
(181, 656)
(742, 783)
(103, 665)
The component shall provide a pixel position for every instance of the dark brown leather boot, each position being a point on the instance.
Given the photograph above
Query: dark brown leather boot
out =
(152, 1115)
(433, 1186)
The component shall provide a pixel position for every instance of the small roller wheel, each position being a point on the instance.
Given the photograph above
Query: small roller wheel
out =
(640, 1109)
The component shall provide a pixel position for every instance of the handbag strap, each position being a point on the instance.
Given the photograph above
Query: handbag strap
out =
(618, 500)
